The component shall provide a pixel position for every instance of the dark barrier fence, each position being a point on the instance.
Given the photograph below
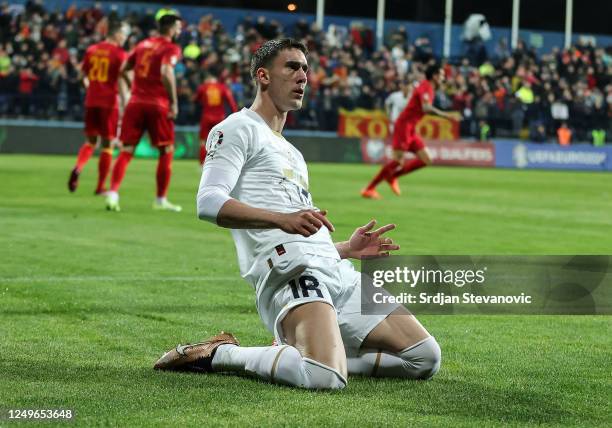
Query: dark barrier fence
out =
(65, 138)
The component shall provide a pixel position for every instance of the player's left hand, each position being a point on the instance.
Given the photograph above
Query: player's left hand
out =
(367, 243)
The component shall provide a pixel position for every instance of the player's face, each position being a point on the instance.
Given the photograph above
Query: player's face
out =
(288, 79)
(176, 29)
(122, 35)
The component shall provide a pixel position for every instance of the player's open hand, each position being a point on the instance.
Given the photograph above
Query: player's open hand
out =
(305, 222)
(365, 242)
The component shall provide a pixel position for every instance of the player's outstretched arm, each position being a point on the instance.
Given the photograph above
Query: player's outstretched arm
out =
(365, 243)
(430, 109)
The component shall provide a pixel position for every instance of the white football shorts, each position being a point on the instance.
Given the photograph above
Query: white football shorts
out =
(296, 274)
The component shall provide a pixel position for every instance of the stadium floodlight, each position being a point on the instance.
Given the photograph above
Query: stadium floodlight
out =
(380, 24)
(569, 14)
(448, 22)
(320, 13)
(516, 4)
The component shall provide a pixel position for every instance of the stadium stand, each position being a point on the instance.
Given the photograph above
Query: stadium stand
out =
(508, 94)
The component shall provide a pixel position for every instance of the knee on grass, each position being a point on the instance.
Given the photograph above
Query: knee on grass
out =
(421, 361)
(295, 370)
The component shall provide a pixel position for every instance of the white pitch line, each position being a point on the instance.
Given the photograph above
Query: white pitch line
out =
(119, 278)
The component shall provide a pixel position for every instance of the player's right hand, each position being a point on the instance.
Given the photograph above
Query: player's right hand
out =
(455, 115)
(173, 112)
(305, 222)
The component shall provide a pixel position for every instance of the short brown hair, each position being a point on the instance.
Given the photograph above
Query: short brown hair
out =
(266, 53)
(166, 22)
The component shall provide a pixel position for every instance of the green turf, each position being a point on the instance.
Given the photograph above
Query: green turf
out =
(89, 299)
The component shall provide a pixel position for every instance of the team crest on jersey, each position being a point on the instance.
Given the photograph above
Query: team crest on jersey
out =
(215, 142)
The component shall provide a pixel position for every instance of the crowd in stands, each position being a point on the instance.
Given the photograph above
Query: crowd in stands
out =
(507, 93)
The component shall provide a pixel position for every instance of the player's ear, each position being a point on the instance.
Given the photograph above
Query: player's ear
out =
(263, 76)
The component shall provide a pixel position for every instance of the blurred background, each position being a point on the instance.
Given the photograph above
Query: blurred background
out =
(535, 71)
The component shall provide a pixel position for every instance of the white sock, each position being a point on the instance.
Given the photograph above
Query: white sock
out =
(277, 364)
(113, 196)
(420, 361)
(234, 358)
(161, 200)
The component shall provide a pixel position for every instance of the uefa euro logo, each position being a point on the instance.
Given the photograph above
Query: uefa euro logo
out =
(519, 154)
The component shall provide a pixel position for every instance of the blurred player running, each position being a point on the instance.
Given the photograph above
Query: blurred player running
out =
(101, 77)
(152, 107)
(212, 95)
(405, 138)
(256, 183)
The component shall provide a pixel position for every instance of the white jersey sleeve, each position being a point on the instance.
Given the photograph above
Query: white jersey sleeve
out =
(228, 151)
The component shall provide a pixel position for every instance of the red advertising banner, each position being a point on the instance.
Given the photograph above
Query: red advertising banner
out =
(464, 153)
(461, 153)
(375, 124)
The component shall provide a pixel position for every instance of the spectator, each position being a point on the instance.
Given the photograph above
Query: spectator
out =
(564, 135)
(559, 112)
(192, 50)
(537, 133)
(484, 131)
(525, 93)
(5, 63)
(27, 81)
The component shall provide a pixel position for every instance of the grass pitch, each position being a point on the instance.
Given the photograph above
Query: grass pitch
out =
(89, 299)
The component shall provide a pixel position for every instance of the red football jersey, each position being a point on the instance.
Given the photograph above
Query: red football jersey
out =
(101, 66)
(147, 59)
(212, 96)
(414, 110)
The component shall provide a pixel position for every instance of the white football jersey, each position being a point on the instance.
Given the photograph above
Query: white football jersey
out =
(260, 168)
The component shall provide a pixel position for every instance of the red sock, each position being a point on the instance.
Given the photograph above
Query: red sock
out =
(164, 172)
(119, 169)
(202, 154)
(386, 171)
(85, 153)
(104, 164)
(409, 166)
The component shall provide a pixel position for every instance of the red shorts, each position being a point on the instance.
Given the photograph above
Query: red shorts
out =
(139, 117)
(101, 121)
(206, 124)
(406, 139)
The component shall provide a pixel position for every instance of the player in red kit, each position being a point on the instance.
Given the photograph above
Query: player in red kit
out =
(213, 96)
(152, 107)
(101, 77)
(405, 138)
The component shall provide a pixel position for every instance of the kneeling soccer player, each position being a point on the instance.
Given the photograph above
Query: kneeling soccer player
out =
(255, 182)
